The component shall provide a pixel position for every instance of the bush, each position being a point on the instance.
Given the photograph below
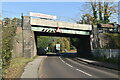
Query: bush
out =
(7, 41)
(114, 41)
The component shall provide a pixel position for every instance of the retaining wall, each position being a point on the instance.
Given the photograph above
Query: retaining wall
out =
(108, 53)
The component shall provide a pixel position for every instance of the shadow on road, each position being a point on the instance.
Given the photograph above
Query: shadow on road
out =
(69, 55)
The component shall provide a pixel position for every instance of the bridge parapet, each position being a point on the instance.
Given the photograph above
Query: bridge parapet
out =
(52, 23)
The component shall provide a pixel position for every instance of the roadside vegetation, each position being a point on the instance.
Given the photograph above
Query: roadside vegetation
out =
(50, 42)
(108, 60)
(16, 67)
(7, 47)
(11, 67)
(0, 68)
(8, 33)
(113, 41)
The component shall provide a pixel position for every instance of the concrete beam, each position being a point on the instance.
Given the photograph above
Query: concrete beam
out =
(52, 23)
(40, 29)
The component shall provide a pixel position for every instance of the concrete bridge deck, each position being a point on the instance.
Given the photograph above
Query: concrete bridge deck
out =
(52, 23)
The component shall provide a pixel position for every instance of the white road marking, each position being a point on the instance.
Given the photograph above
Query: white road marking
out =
(62, 60)
(83, 72)
(66, 63)
(74, 67)
(69, 65)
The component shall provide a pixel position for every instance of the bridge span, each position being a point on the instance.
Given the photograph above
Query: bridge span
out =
(41, 27)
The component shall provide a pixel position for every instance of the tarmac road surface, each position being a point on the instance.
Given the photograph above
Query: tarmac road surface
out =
(61, 67)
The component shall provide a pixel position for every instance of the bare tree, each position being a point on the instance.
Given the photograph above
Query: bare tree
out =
(100, 8)
(101, 11)
(94, 9)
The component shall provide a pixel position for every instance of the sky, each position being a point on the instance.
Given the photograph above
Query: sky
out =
(66, 10)
(57, 0)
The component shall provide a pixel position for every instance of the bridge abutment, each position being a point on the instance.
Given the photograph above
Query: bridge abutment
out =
(29, 46)
(84, 48)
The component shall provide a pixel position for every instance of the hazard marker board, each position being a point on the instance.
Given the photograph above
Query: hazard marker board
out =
(58, 30)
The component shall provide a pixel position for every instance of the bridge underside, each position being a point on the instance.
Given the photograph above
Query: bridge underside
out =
(59, 34)
(83, 48)
(63, 30)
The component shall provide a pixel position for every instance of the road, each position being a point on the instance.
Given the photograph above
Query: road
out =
(61, 67)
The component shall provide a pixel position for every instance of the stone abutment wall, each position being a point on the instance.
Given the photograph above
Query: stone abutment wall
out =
(24, 41)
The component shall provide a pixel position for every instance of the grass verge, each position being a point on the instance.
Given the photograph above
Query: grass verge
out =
(16, 67)
(109, 60)
(0, 68)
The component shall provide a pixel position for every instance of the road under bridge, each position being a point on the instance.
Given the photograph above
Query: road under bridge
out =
(43, 27)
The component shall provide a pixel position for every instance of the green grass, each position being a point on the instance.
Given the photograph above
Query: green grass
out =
(69, 51)
(16, 67)
(0, 68)
(50, 53)
(109, 60)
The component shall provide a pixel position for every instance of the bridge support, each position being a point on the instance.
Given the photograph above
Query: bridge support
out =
(84, 48)
(29, 46)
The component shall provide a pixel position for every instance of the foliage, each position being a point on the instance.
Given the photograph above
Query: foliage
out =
(16, 21)
(16, 67)
(94, 9)
(45, 41)
(114, 41)
(52, 47)
(64, 42)
(112, 60)
(75, 42)
(86, 19)
(7, 20)
(7, 39)
(101, 12)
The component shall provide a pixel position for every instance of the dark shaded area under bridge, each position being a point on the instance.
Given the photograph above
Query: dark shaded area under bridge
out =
(83, 48)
